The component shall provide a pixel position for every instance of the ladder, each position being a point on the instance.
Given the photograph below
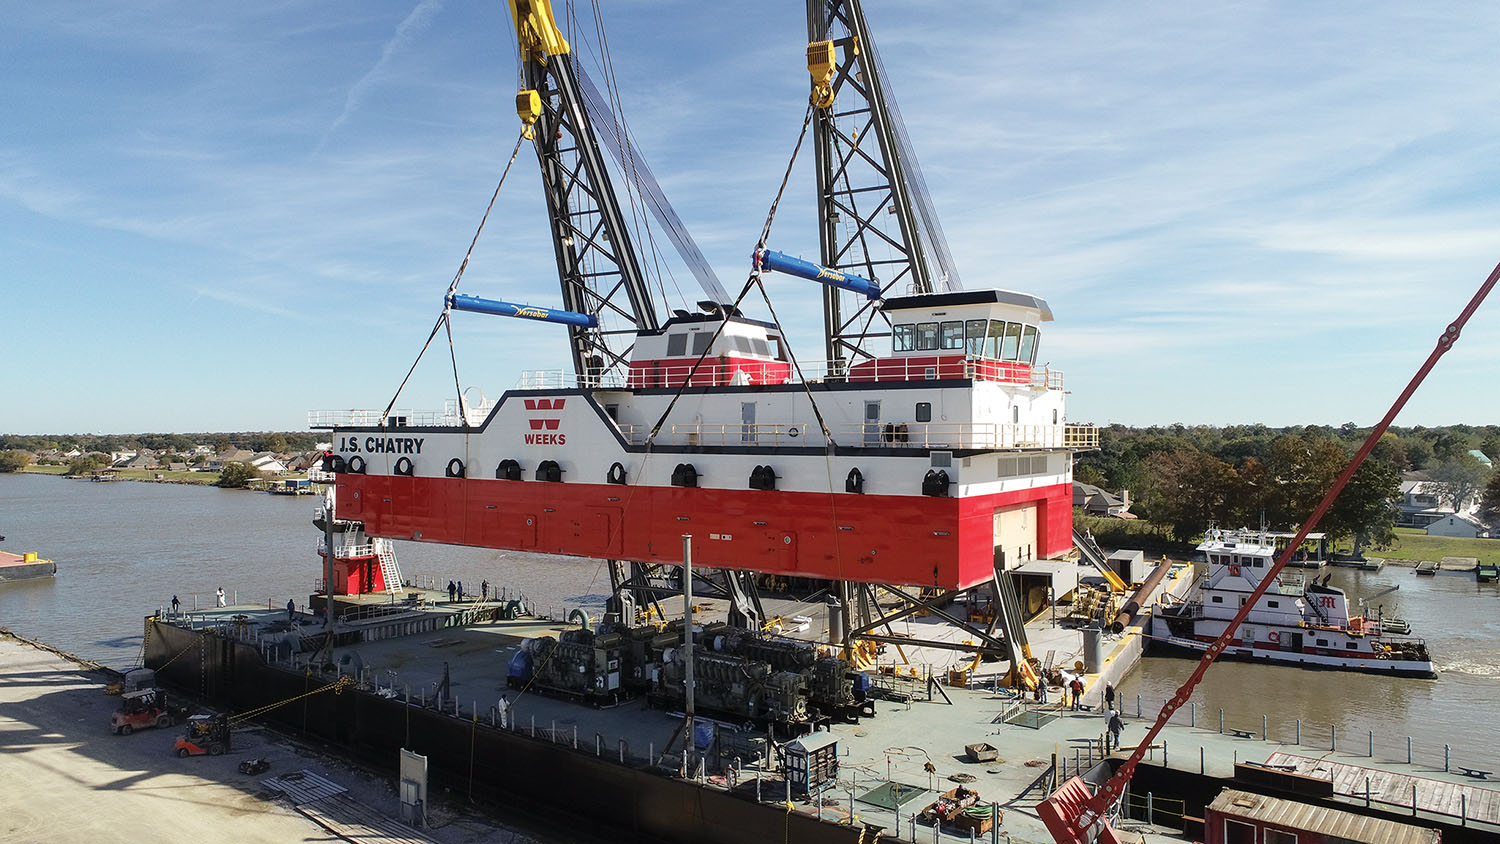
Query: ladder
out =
(390, 571)
(1094, 556)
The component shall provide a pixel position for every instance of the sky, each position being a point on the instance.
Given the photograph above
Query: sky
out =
(219, 216)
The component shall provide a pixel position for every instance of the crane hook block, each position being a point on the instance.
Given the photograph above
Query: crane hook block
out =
(770, 260)
(821, 63)
(474, 304)
(529, 109)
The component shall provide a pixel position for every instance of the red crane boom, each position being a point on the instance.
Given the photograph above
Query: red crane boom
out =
(1071, 814)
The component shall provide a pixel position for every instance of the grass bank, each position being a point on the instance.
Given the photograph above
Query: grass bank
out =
(152, 475)
(1414, 544)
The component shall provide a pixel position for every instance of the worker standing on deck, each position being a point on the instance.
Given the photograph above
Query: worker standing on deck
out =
(460, 590)
(291, 609)
(503, 709)
(1109, 696)
(176, 606)
(220, 595)
(452, 592)
(484, 590)
(1077, 688)
(1115, 726)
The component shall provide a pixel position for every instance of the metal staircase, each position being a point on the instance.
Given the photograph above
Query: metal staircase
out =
(1092, 554)
(390, 570)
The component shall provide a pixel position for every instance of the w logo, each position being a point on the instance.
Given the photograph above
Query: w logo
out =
(550, 406)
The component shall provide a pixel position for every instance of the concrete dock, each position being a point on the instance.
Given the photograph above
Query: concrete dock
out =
(64, 777)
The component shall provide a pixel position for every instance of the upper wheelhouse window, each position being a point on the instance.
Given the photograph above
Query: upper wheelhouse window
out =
(993, 342)
(904, 339)
(953, 335)
(701, 341)
(760, 346)
(1028, 345)
(1012, 341)
(927, 336)
(676, 345)
(974, 337)
(778, 349)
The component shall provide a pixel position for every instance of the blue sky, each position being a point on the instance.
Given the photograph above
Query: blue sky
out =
(217, 216)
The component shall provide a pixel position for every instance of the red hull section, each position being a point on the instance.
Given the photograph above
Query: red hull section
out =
(910, 540)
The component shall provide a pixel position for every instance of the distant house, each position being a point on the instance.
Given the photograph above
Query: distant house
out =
(233, 455)
(1422, 502)
(145, 459)
(1481, 457)
(177, 467)
(268, 463)
(1455, 525)
(119, 459)
(1096, 501)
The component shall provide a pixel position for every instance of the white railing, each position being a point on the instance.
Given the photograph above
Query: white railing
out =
(560, 379)
(348, 552)
(753, 434)
(318, 476)
(364, 418)
(988, 435)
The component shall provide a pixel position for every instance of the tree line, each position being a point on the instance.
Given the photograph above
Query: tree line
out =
(275, 441)
(1184, 479)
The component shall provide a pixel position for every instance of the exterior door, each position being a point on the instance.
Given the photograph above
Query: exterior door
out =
(747, 420)
(872, 423)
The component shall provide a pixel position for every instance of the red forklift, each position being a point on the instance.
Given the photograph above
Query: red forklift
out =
(205, 734)
(141, 709)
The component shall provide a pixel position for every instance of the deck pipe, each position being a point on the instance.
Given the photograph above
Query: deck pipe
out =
(767, 259)
(474, 304)
(1132, 606)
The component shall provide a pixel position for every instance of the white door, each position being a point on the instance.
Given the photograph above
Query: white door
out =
(1015, 533)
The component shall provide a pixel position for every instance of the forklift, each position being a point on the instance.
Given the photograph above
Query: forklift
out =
(205, 734)
(141, 709)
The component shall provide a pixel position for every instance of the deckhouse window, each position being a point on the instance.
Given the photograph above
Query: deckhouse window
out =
(905, 339)
(1028, 345)
(974, 332)
(1218, 599)
(760, 346)
(778, 350)
(1273, 604)
(1012, 341)
(997, 335)
(701, 341)
(927, 336)
(924, 411)
(953, 335)
(676, 345)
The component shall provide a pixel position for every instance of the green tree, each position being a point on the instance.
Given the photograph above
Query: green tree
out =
(14, 460)
(83, 465)
(1188, 491)
(1489, 505)
(238, 475)
(1459, 479)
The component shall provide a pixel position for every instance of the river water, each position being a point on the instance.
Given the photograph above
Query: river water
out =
(123, 549)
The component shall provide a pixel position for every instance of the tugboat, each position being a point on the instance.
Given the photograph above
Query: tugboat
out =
(1296, 622)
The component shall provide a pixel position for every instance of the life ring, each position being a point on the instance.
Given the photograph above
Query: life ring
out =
(1234, 570)
(357, 465)
(404, 467)
(1273, 636)
(616, 473)
(455, 468)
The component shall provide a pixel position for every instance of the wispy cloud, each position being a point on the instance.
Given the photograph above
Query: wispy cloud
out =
(409, 28)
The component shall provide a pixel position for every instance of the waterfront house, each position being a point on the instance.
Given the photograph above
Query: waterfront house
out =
(1456, 525)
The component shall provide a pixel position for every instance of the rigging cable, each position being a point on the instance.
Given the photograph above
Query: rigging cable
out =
(750, 282)
(452, 286)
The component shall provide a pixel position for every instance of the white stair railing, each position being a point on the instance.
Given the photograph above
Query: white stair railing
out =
(390, 571)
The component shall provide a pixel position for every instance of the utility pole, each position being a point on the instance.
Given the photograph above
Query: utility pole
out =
(689, 741)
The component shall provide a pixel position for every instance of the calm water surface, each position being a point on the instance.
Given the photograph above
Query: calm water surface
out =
(123, 549)
(1459, 619)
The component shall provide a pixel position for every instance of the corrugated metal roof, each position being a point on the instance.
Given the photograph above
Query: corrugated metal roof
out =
(1302, 816)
